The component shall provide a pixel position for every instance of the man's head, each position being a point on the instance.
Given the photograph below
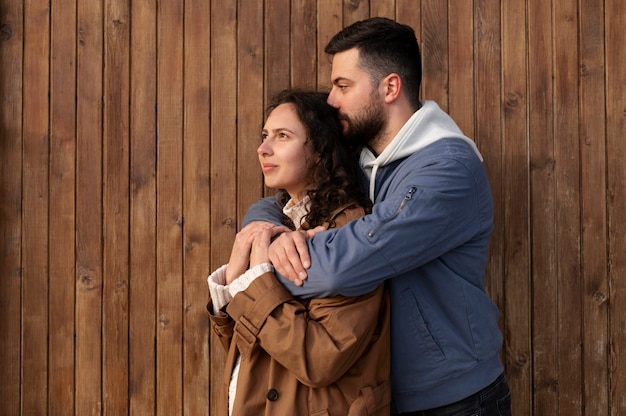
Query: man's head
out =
(375, 61)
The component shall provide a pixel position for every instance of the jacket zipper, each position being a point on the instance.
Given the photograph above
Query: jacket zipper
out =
(408, 196)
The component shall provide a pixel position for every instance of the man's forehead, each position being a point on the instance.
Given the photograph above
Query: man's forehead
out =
(344, 65)
(349, 57)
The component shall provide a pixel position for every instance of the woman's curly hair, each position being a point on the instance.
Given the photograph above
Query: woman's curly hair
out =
(335, 176)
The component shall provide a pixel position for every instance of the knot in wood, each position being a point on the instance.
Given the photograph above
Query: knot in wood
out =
(6, 32)
(600, 297)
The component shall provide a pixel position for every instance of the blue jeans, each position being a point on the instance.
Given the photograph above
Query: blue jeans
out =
(493, 400)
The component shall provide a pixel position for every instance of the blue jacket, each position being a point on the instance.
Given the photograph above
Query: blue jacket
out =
(428, 236)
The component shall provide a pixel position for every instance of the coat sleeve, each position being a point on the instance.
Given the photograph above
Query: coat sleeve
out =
(222, 325)
(318, 341)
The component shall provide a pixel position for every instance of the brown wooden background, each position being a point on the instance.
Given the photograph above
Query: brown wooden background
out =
(128, 132)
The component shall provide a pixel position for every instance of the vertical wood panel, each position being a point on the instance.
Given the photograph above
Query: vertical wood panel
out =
(62, 179)
(489, 137)
(128, 158)
(195, 203)
(222, 157)
(593, 208)
(515, 206)
(329, 22)
(409, 12)
(170, 217)
(35, 209)
(249, 103)
(115, 210)
(461, 78)
(143, 154)
(616, 154)
(567, 174)
(89, 208)
(11, 191)
(434, 36)
(277, 47)
(353, 11)
(542, 208)
(303, 46)
(383, 8)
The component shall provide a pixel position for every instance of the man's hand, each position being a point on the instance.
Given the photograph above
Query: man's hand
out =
(289, 254)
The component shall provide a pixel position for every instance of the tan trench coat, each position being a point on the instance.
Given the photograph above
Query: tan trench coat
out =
(316, 357)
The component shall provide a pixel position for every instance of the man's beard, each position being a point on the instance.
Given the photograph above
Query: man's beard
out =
(365, 128)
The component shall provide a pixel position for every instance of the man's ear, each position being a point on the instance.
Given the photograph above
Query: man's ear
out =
(392, 85)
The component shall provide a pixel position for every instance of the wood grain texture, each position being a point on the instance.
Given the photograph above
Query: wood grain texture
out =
(542, 208)
(128, 137)
(250, 103)
(62, 158)
(116, 193)
(142, 209)
(329, 22)
(223, 158)
(89, 211)
(435, 51)
(616, 201)
(170, 216)
(592, 137)
(515, 206)
(461, 87)
(11, 194)
(35, 245)
(196, 197)
(567, 196)
(488, 135)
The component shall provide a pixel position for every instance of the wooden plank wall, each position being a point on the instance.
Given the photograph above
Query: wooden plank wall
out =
(128, 132)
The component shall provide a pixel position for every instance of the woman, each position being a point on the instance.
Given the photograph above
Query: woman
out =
(290, 356)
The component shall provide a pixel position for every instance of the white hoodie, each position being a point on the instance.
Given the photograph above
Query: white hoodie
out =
(427, 125)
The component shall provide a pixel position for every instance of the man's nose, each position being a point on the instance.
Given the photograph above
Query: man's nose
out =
(332, 100)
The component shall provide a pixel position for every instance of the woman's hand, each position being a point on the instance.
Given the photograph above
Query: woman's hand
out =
(240, 256)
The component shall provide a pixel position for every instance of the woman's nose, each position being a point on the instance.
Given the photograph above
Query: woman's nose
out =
(263, 149)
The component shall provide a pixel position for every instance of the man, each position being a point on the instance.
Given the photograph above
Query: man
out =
(427, 236)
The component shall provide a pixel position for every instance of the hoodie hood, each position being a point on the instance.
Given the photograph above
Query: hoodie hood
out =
(427, 125)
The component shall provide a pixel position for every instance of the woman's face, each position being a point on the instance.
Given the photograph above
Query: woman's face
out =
(285, 154)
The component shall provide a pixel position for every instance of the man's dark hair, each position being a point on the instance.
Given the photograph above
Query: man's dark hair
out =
(385, 46)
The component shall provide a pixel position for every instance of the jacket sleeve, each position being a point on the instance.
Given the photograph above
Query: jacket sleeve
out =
(425, 213)
(265, 209)
(318, 343)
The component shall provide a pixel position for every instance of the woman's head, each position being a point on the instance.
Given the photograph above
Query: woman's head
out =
(303, 153)
(286, 153)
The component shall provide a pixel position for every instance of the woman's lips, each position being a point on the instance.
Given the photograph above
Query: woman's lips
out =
(268, 167)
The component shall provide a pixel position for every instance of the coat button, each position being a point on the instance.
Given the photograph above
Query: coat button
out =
(272, 395)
